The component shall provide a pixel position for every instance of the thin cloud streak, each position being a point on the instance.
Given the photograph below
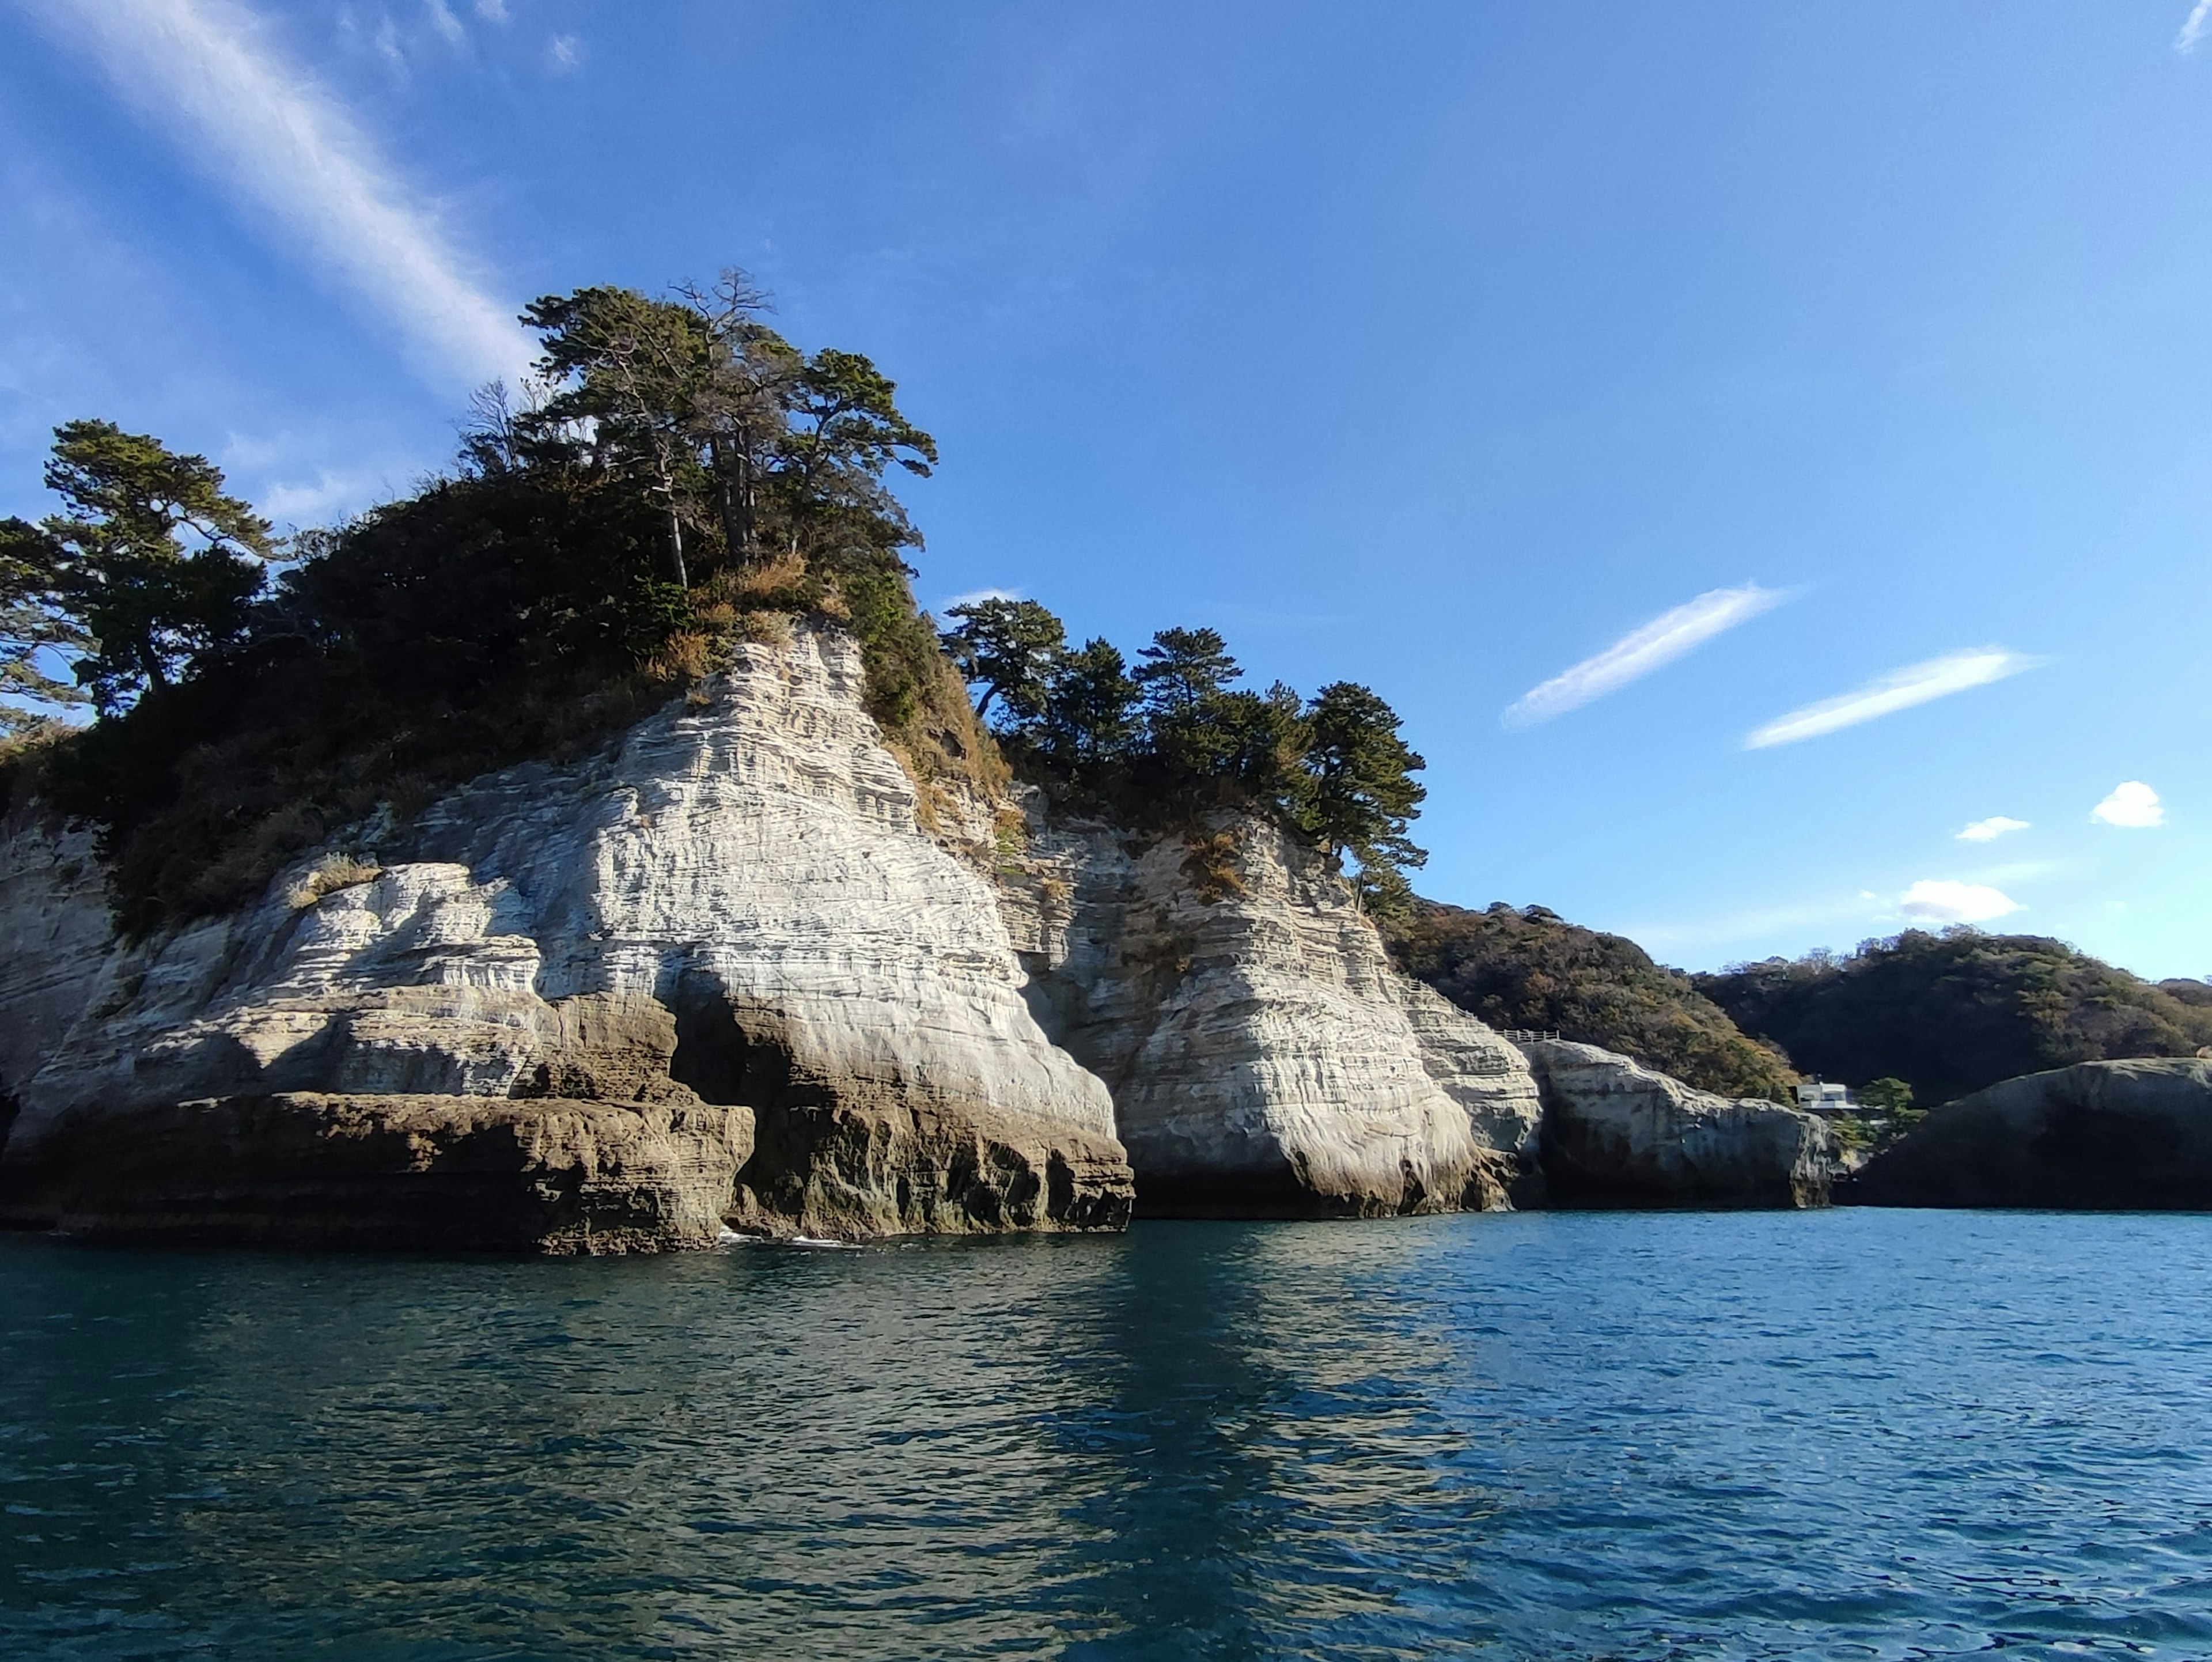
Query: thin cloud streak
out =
(1938, 677)
(2192, 31)
(206, 71)
(1636, 654)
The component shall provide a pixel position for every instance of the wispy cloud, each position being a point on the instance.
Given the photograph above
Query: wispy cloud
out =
(1938, 678)
(973, 595)
(207, 72)
(297, 502)
(1945, 900)
(443, 21)
(492, 11)
(2192, 31)
(1988, 830)
(2133, 805)
(566, 54)
(1641, 651)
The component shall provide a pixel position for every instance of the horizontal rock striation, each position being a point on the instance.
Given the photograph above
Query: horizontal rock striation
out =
(2098, 1135)
(1266, 1058)
(735, 906)
(1616, 1133)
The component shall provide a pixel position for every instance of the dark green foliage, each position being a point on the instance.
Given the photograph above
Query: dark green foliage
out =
(113, 576)
(1087, 730)
(1953, 1012)
(584, 562)
(747, 447)
(1176, 738)
(482, 622)
(1886, 1095)
(1363, 795)
(1529, 968)
(1008, 648)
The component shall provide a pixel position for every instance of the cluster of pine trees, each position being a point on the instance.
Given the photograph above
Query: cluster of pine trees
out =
(1171, 734)
(675, 465)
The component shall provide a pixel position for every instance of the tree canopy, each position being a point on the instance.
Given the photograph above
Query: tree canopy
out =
(1174, 736)
(1526, 967)
(149, 568)
(1949, 1014)
(600, 537)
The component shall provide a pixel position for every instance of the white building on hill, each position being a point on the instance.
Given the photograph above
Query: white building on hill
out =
(1817, 1097)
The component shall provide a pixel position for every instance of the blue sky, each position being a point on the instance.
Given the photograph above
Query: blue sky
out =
(1606, 385)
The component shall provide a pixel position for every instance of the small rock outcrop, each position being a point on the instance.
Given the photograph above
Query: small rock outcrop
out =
(2098, 1135)
(733, 908)
(1616, 1133)
(1265, 1057)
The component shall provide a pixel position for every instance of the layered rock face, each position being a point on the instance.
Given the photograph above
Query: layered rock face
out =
(733, 909)
(2098, 1135)
(1266, 1058)
(1615, 1133)
(721, 974)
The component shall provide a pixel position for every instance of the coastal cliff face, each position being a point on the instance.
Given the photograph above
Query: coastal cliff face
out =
(2096, 1137)
(735, 908)
(729, 972)
(1616, 1133)
(1265, 1056)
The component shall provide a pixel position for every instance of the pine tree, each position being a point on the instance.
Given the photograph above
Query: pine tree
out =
(1010, 649)
(115, 576)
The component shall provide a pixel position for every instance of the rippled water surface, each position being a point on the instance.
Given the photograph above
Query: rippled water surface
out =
(1842, 1434)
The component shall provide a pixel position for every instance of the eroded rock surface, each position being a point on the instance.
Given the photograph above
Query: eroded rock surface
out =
(1616, 1133)
(1266, 1058)
(472, 1174)
(2098, 1135)
(735, 906)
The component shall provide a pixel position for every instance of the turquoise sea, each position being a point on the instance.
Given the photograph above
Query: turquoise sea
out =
(1852, 1433)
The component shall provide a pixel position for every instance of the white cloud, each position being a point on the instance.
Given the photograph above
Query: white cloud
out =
(1988, 830)
(567, 52)
(443, 21)
(297, 502)
(2133, 805)
(387, 48)
(976, 594)
(2192, 30)
(1943, 900)
(492, 11)
(1641, 651)
(207, 70)
(1901, 689)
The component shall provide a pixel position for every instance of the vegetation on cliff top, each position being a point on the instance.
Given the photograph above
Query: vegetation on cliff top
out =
(683, 470)
(1528, 968)
(678, 473)
(1951, 1013)
(1170, 736)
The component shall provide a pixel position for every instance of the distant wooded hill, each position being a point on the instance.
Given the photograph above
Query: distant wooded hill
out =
(1947, 1013)
(1950, 1013)
(1530, 968)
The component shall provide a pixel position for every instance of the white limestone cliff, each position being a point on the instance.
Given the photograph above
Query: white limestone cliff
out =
(1265, 1057)
(1616, 1133)
(734, 905)
(723, 972)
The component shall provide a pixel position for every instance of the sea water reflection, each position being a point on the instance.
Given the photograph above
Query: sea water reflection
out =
(1854, 1434)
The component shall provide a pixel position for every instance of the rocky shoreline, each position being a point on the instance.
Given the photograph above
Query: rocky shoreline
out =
(737, 971)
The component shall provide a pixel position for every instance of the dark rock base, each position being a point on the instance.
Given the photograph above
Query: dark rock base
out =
(2106, 1136)
(457, 1173)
